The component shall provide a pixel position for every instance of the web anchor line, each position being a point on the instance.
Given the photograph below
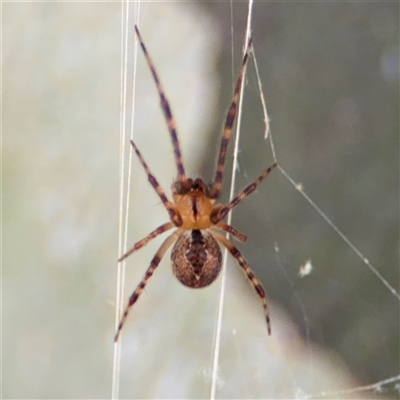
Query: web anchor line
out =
(341, 235)
(377, 386)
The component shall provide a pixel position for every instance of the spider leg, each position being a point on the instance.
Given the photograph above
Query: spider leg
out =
(173, 213)
(230, 119)
(161, 229)
(254, 281)
(233, 231)
(167, 112)
(153, 265)
(221, 212)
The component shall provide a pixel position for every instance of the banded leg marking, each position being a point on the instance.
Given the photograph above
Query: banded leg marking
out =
(230, 119)
(167, 111)
(245, 267)
(161, 229)
(153, 265)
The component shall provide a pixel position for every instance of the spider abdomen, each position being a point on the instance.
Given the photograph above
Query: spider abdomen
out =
(196, 258)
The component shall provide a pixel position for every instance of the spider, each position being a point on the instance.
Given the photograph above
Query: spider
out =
(196, 256)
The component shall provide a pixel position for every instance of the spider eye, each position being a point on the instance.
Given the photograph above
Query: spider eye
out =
(199, 185)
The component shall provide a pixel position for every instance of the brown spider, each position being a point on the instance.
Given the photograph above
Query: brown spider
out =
(196, 256)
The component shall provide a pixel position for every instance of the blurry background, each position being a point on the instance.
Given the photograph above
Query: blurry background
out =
(330, 74)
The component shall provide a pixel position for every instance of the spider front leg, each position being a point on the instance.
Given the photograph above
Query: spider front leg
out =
(245, 267)
(167, 112)
(153, 265)
(230, 119)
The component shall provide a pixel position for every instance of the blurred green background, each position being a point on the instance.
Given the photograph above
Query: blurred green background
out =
(330, 74)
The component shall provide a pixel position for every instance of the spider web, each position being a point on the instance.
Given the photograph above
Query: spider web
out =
(329, 73)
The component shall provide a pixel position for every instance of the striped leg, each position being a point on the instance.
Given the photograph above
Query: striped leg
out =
(173, 213)
(230, 119)
(167, 112)
(223, 211)
(233, 231)
(153, 265)
(161, 229)
(254, 281)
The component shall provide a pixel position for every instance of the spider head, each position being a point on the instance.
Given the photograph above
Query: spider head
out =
(198, 186)
(189, 186)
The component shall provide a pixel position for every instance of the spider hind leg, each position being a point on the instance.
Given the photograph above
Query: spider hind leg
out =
(245, 267)
(153, 265)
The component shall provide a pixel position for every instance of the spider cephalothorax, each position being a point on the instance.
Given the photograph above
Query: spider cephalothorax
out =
(196, 255)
